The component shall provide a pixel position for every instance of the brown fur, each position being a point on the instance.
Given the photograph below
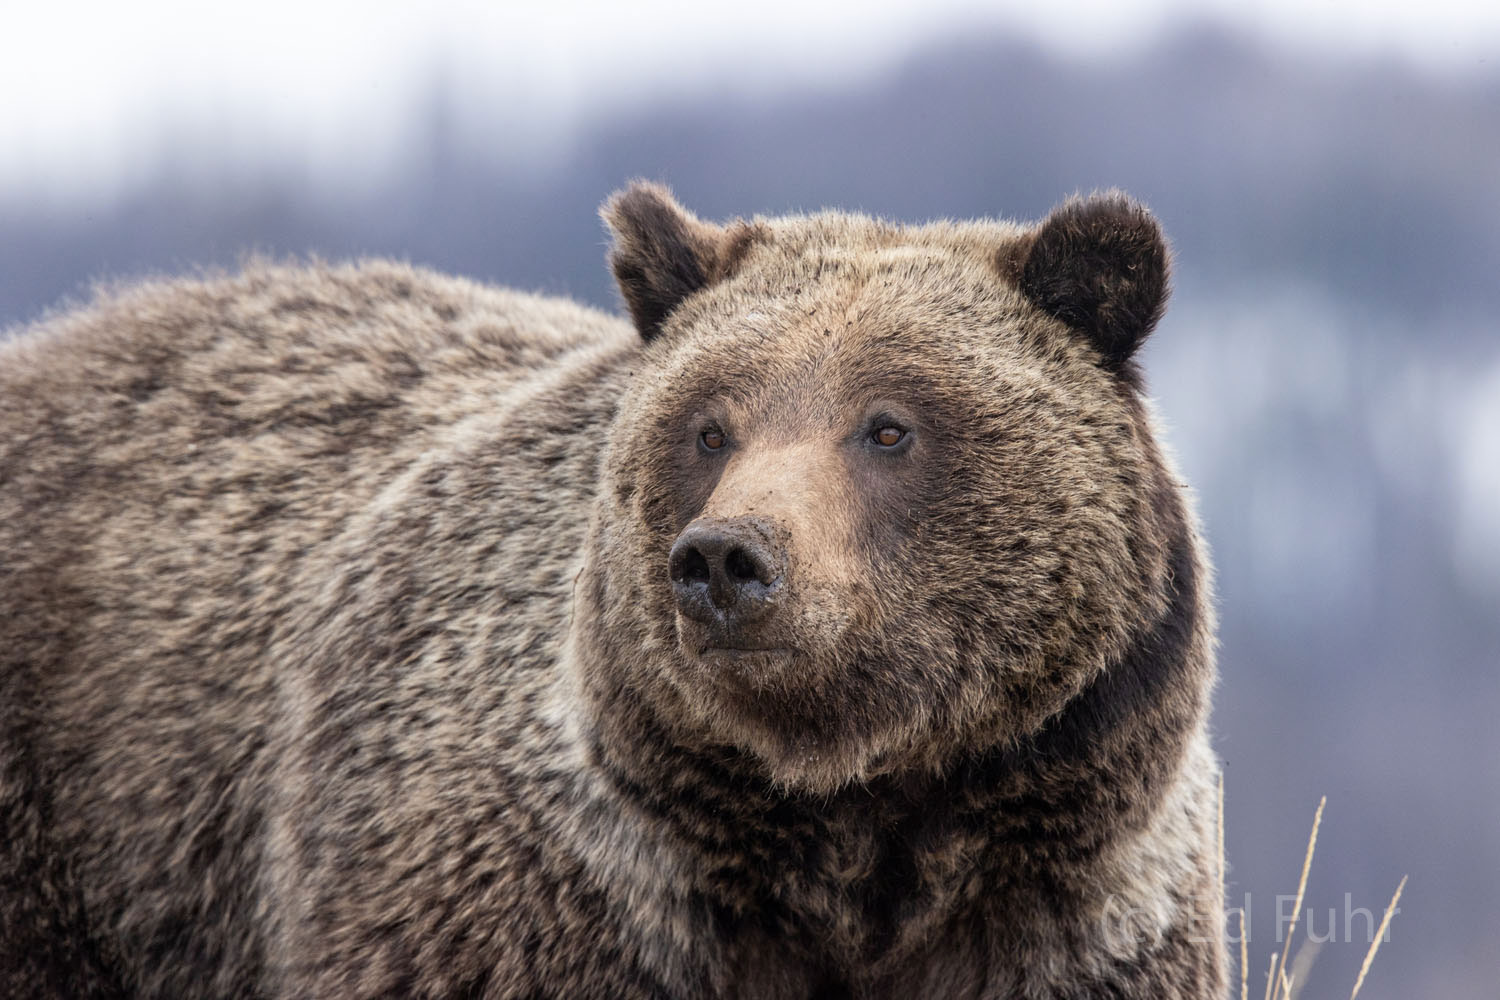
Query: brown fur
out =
(339, 655)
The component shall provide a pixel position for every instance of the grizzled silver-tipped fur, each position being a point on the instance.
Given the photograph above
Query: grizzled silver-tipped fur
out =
(836, 630)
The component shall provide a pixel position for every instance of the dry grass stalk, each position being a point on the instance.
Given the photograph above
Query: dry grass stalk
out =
(1222, 866)
(1385, 922)
(1281, 985)
(1312, 845)
(1244, 960)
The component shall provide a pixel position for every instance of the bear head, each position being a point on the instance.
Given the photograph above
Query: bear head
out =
(875, 496)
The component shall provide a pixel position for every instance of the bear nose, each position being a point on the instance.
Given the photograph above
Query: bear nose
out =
(725, 570)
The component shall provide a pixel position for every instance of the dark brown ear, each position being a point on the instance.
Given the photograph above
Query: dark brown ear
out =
(1098, 264)
(663, 253)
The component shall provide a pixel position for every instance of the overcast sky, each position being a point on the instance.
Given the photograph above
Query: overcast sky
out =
(91, 88)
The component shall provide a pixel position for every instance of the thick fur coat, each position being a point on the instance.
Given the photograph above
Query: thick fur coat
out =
(838, 629)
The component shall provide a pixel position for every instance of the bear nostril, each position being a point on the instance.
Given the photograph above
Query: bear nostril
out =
(693, 568)
(741, 566)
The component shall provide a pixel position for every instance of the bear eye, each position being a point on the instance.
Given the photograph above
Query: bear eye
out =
(888, 436)
(712, 439)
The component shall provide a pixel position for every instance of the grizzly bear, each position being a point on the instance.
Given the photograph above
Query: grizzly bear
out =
(835, 629)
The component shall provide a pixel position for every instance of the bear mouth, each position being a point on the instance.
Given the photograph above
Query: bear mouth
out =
(715, 641)
(744, 666)
(744, 652)
(741, 671)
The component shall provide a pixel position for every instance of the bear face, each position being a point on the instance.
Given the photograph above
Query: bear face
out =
(877, 496)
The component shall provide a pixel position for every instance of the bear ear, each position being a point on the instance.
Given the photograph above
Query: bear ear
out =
(663, 253)
(1098, 264)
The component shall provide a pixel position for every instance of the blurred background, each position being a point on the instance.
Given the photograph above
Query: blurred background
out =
(1329, 371)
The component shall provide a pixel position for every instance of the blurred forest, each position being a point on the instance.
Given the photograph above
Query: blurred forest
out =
(1328, 373)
